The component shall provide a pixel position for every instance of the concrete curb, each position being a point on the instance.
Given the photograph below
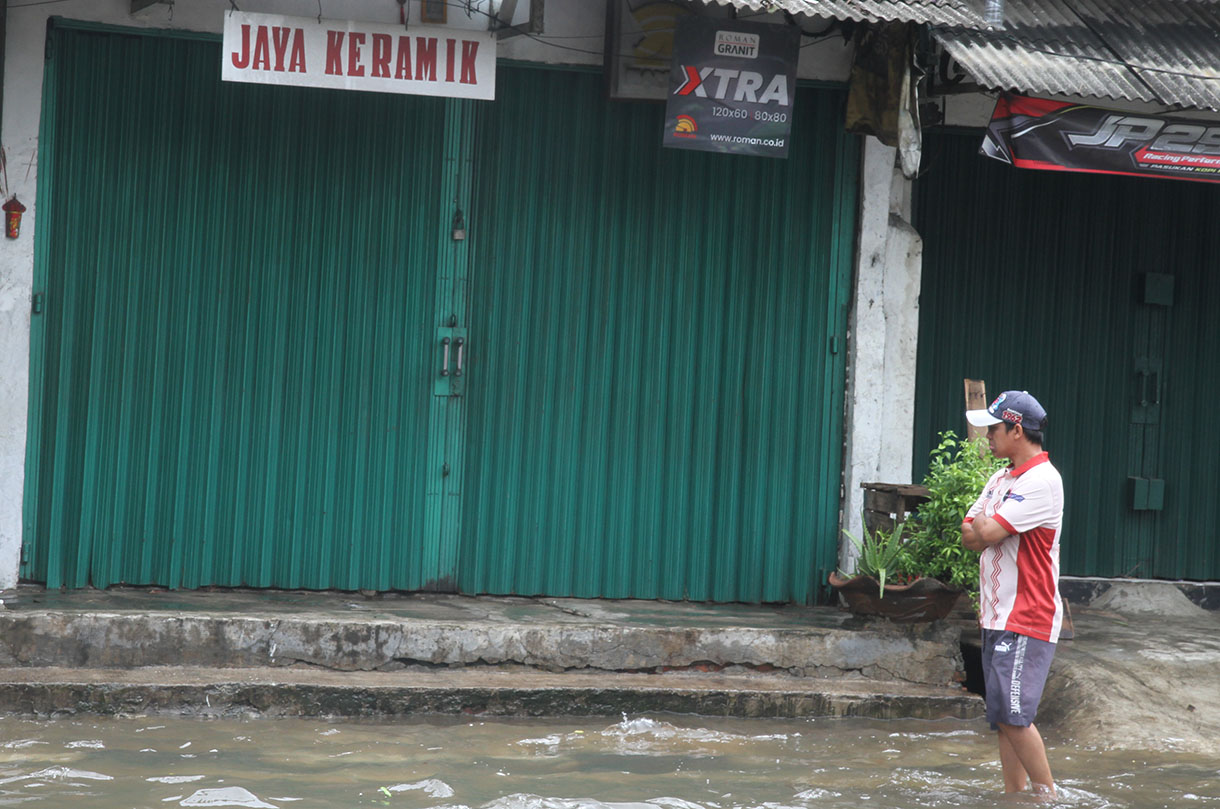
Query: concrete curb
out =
(330, 654)
(303, 693)
(921, 654)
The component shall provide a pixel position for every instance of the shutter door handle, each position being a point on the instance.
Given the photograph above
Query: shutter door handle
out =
(461, 344)
(445, 361)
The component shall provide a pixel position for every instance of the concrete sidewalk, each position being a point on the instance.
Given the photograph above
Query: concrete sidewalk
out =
(308, 653)
(1142, 673)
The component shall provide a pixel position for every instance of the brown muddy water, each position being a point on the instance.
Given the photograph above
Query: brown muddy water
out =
(657, 762)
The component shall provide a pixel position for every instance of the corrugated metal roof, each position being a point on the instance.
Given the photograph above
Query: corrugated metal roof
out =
(932, 12)
(1157, 51)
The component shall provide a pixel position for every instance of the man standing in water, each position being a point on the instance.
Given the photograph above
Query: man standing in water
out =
(1015, 526)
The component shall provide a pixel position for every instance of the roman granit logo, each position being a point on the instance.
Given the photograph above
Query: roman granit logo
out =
(737, 43)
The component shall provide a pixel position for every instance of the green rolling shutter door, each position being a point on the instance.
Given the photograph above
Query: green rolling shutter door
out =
(1099, 295)
(230, 382)
(235, 373)
(655, 401)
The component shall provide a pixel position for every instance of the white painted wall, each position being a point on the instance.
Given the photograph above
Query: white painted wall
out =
(883, 332)
(573, 34)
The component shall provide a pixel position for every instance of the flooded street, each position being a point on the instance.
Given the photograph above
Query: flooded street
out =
(664, 761)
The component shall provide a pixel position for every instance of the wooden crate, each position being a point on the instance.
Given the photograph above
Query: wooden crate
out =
(889, 504)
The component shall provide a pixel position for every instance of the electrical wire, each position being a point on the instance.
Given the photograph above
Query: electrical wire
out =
(37, 3)
(815, 40)
(469, 9)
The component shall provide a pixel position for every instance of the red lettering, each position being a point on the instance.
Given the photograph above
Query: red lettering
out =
(470, 50)
(404, 59)
(425, 58)
(334, 53)
(244, 60)
(354, 41)
(381, 56)
(296, 62)
(279, 38)
(449, 49)
(262, 50)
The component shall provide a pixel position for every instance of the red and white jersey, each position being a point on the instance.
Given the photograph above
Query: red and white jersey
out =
(1019, 576)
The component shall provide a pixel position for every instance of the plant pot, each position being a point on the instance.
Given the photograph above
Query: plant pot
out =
(920, 601)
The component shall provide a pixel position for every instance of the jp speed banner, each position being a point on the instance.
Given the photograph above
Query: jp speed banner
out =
(1036, 133)
(731, 87)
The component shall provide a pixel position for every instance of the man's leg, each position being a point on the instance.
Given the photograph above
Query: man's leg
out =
(1015, 668)
(1015, 777)
(1025, 743)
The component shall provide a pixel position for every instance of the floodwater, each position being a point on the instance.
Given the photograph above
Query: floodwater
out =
(656, 762)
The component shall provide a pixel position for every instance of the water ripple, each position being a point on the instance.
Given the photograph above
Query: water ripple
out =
(432, 787)
(522, 800)
(58, 774)
(227, 796)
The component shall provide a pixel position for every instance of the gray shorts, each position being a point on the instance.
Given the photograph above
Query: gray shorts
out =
(1014, 671)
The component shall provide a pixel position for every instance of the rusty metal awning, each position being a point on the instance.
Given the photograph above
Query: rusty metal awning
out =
(1156, 51)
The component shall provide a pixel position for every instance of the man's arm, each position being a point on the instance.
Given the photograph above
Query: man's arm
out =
(981, 533)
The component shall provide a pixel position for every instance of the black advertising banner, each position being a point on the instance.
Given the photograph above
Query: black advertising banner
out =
(731, 86)
(1036, 133)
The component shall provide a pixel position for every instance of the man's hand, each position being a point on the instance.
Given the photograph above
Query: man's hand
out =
(982, 533)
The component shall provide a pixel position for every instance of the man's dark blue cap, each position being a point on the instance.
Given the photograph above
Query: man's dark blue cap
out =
(1013, 407)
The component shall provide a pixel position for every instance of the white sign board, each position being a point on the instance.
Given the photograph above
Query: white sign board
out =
(348, 55)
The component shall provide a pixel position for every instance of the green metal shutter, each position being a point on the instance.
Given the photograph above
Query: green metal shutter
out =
(1098, 294)
(655, 398)
(232, 371)
(234, 375)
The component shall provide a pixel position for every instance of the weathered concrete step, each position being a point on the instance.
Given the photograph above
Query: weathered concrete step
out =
(315, 654)
(275, 692)
(549, 639)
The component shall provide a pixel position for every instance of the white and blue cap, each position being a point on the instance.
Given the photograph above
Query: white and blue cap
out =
(1012, 407)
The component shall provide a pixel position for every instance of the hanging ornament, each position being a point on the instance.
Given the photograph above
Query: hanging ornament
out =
(13, 209)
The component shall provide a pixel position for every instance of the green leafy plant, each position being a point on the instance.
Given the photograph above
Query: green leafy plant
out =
(957, 470)
(881, 555)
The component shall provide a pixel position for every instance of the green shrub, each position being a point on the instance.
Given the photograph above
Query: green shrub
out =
(957, 470)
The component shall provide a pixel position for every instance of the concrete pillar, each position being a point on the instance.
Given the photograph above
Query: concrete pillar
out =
(883, 331)
(14, 376)
(25, 38)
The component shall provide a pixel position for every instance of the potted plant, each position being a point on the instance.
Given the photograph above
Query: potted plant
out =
(917, 571)
(886, 585)
(957, 471)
